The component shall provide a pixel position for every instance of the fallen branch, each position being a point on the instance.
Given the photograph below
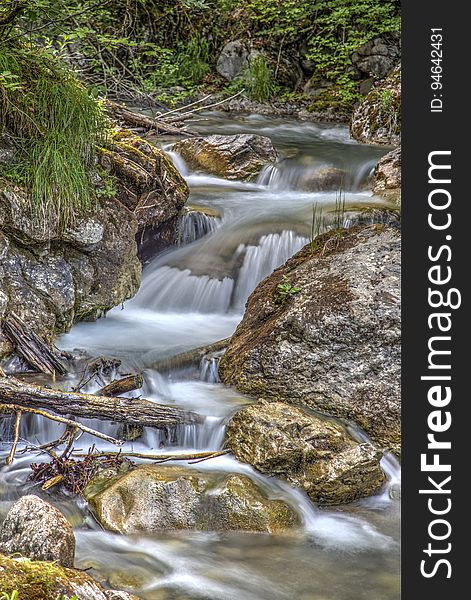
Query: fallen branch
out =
(122, 114)
(187, 115)
(16, 435)
(137, 411)
(190, 357)
(122, 386)
(159, 458)
(14, 408)
(31, 347)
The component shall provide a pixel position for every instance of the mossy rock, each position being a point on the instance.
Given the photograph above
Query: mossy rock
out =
(37, 580)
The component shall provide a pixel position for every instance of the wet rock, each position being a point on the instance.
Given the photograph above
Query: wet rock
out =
(234, 58)
(334, 345)
(53, 278)
(316, 85)
(148, 183)
(377, 120)
(229, 156)
(324, 179)
(310, 452)
(44, 581)
(153, 498)
(372, 215)
(37, 530)
(387, 177)
(52, 284)
(378, 57)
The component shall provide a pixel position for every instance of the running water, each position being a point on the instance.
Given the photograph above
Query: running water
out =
(233, 236)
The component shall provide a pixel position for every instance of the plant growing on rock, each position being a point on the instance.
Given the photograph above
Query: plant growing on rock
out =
(285, 290)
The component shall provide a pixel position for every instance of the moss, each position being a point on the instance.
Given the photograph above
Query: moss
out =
(37, 580)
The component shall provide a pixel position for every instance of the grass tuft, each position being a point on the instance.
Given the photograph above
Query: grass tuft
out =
(55, 126)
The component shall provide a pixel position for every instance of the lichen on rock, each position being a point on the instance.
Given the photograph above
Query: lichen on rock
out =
(310, 452)
(335, 345)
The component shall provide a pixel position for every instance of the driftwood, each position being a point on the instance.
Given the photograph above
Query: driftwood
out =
(122, 386)
(189, 358)
(122, 114)
(32, 348)
(136, 411)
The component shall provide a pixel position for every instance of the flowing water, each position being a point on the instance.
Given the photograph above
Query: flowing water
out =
(233, 236)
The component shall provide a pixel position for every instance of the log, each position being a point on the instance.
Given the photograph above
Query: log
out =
(137, 411)
(189, 358)
(122, 386)
(32, 348)
(132, 119)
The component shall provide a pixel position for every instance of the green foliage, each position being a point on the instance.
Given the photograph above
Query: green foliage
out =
(285, 290)
(258, 80)
(12, 596)
(55, 126)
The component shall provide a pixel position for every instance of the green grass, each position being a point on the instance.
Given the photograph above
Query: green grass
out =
(55, 126)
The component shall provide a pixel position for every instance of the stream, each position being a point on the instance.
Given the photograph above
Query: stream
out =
(194, 294)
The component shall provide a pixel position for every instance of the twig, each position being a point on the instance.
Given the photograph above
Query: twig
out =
(15, 408)
(195, 458)
(163, 115)
(207, 106)
(16, 433)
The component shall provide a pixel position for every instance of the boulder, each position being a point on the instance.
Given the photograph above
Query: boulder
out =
(52, 284)
(377, 120)
(44, 581)
(37, 530)
(153, 498)
(234, 58)
(310, 452)
(387, 177)
(148, 182)
(324, 331)
(52, 278)
(378, 57)
(229, 156)
(324, 179)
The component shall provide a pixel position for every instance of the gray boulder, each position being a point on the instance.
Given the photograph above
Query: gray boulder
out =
(153, 498)
(229, 156)
(37, 530)
(377, 57)
(234, 58)
(310, 452)
(334, 342)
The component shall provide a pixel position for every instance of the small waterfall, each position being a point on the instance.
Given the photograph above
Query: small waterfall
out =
(209, 368)
(207, 436)
(179, 163)
(363, 173)
(194, 225)
(169, 289)
(260, 261)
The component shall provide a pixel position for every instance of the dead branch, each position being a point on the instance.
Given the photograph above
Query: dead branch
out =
(122, 386)
(189, 358)
(122, 114)
(31, 347)
(136, 411)
(16, 435)
(158, 458)
(14, 408)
